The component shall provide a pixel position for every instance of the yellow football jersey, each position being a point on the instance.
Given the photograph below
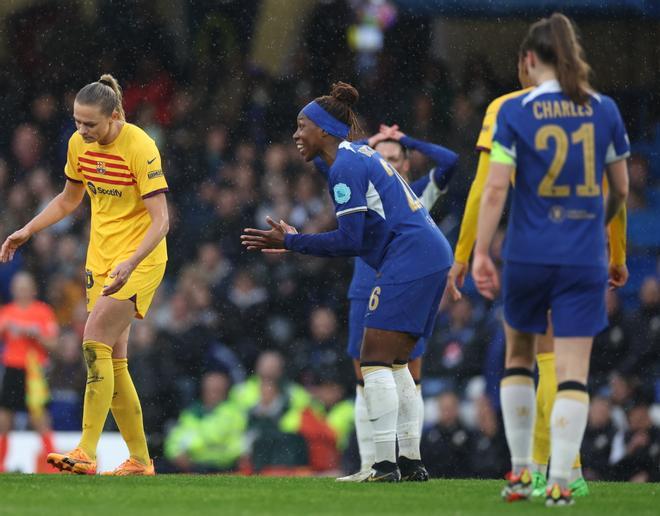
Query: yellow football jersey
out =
(468, 232)
(117, 177)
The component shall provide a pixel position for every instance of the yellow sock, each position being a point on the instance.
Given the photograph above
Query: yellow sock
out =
(545, 399)
(127, 412)
(98, 394)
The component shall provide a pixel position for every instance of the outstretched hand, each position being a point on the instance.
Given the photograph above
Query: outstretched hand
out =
(13, 242)
(267, 241)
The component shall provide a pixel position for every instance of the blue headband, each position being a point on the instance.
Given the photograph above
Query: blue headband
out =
(325, 120)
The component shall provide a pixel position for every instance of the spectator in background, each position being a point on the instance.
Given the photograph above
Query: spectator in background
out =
(488, 452)
(446, 445)
(455, 351)
(208, 437)
(643, 360)
(638, 171)
(638, 459)
(29, 331)
(611, 347)
(27, 149)
(597, 442)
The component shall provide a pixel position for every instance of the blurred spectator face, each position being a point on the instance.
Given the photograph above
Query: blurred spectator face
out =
(305, 188)
(620, 389)
(270, 366)
(216, 140)
(639, 419)
(91, 123)
(26, 146)
(448, 404)
(227, 205)
(39, 183)
(246, 153)
(23, 288)
(328, 393)
(395, 155)
(423, 108)
(44, 107)
(67, 249)
(275, 159)
(19, 199)
(323, 324)
(209, 256)
(649, 294)
(599, 412)
(215, 387)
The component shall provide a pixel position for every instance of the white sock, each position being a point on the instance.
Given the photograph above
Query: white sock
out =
(364, 431)
(407, 426)
(518, 406)
(568, 422)
(383, 405)
(421, 409)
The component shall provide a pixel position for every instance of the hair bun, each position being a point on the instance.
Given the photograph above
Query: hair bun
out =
(344, 93)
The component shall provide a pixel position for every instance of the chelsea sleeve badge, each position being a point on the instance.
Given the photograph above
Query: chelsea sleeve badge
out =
(342, 193)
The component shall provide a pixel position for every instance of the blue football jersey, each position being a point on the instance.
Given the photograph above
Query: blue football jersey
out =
(401, 241)
(364, 276)
(560, 151)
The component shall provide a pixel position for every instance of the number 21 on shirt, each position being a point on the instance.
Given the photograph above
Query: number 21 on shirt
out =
(414, 203)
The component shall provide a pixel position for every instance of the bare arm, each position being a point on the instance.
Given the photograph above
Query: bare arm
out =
(160, 225)
(490, 213)
(61, 206)
(617, 176)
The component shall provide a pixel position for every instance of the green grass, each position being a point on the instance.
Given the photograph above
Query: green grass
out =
(27, 495)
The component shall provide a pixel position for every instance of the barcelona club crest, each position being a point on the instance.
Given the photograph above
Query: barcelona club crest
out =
(100, 167)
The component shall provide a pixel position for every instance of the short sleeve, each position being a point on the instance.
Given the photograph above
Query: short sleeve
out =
(504, 135)
(149, 170)
(619, 146)
(348, 183)
(485, 140)
(71, 168)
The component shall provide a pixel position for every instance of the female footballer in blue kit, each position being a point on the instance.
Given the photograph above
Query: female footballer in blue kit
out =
(395, 147)
(560, 137)
(382, 221)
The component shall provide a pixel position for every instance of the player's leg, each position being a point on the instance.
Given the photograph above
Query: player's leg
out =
(126, 407)
(526, 303)
(410, 414)
(363, 427)
(108, 319)
(380, 348)
(578, 314)
(569, 414)
(127, 411)
(41, 422)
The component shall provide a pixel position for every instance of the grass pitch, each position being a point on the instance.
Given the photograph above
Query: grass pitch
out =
(164, 495)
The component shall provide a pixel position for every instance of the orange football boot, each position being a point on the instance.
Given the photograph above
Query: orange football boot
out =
(76, 461)
(132, 467)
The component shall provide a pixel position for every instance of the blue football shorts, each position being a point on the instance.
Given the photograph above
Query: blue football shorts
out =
(575, 296)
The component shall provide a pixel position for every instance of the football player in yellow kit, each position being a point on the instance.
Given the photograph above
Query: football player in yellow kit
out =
(119, 167)
(618, 272)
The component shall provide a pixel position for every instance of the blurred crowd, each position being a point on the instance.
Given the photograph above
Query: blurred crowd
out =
(240, 364)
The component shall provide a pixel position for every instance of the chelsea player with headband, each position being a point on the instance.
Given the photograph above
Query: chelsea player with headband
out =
(560, 137)
(395, 146)
(381, 220)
